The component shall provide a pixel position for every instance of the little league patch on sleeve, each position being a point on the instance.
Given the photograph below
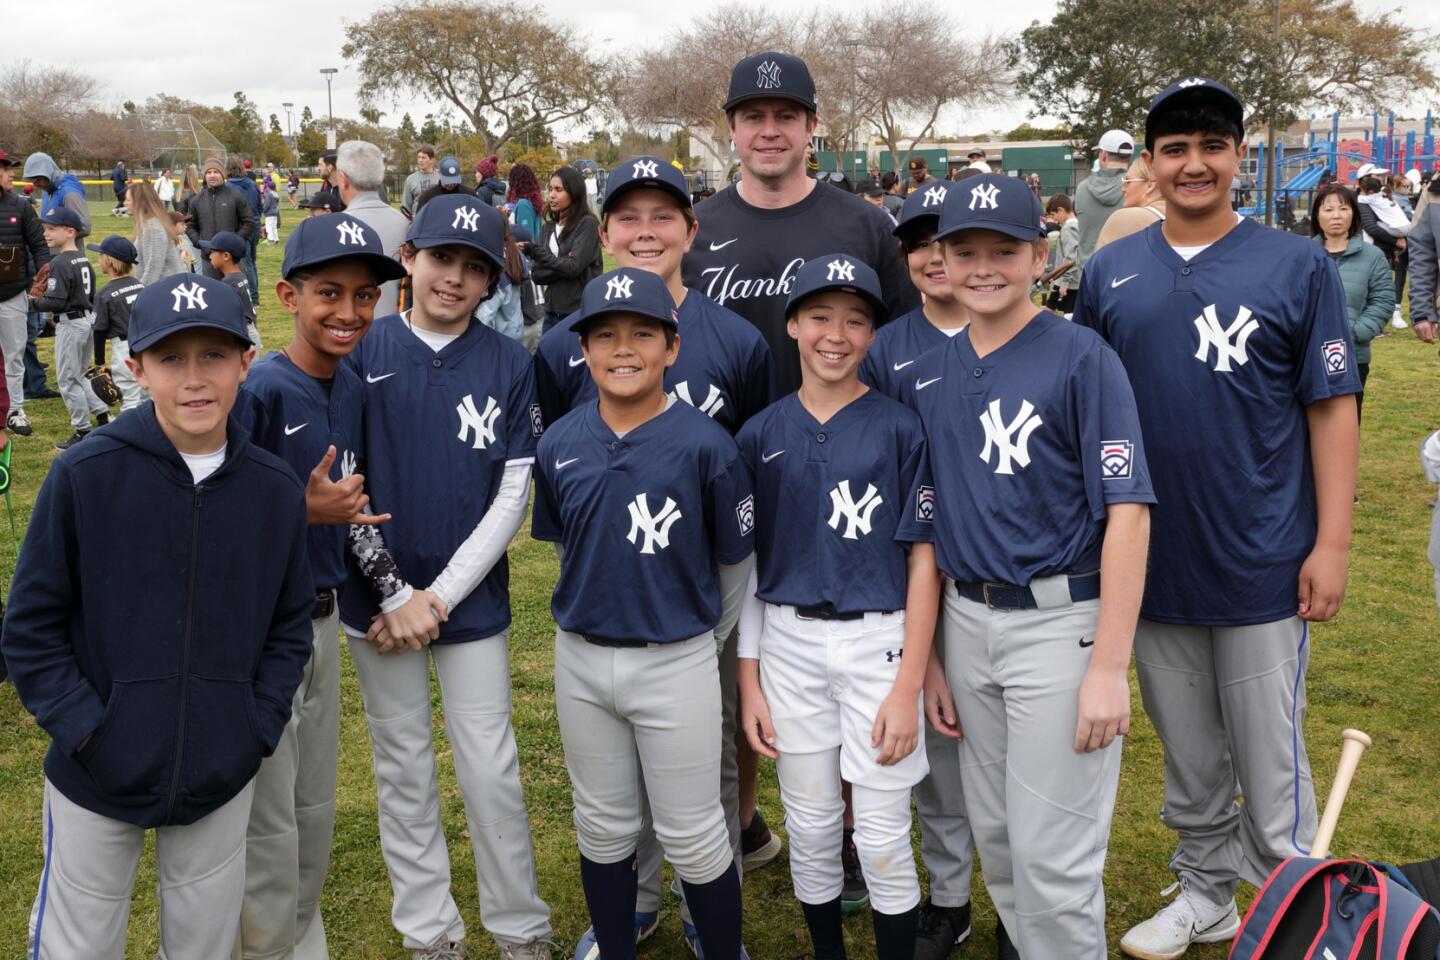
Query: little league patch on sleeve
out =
(537, 421)
(925, 504)
(1335, 356)
(1116, 459)
(745, 514)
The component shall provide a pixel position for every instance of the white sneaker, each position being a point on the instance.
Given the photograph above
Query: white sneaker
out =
(1397, 321)
(1185, 920)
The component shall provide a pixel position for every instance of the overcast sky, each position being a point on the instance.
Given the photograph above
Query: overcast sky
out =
(274, 53)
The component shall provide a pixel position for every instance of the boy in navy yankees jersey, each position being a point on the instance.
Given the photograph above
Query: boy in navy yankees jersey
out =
(304, 405)
(449, 438)
(164, 679)
(1041, 520)
(650, 493)
(1237, 342)
(112, 313)
(723, 368)
(825, 690)
(946, 846)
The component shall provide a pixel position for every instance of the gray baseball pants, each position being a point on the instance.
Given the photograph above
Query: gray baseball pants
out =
(946, 846)
(1229, 705)
(74, 345)
(14, 329)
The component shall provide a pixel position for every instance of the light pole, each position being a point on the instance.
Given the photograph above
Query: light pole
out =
(329, 73)
(289, 130)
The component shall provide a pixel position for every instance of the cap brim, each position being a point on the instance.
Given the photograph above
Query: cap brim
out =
(582, 324)
(905, 225)
(384, 267)
(647, 183)
(424, 243)
(882, 312)
(1013, 230)
(769, 95)
(145, 342)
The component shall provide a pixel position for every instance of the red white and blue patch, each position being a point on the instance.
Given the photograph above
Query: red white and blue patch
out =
(925, 504)
(1116, 459)
(1335, 357)
(745, 515)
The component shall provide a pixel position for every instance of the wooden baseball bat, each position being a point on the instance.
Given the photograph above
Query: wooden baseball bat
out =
(1356, 743)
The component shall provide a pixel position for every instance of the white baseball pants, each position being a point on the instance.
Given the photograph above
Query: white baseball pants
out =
(131, 395)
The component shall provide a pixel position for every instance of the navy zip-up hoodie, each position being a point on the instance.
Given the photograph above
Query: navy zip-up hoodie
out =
(166, 621)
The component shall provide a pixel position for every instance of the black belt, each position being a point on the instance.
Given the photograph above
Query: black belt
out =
(611, 642)
(324, 605)
(76, 314)
(1009, 596)
(827, 611)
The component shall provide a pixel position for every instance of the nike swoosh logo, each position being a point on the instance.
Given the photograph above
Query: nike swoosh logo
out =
(767, 457)
(1124, 280)
(561, 465)
(922, 384)
(370, 378)
(902, 366)
(1085, 643)
(721, 246)
(292, 430)
(576, 361)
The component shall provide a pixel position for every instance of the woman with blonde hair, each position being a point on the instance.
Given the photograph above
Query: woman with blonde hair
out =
(189, 187)
(1143, 205)
(154, 236)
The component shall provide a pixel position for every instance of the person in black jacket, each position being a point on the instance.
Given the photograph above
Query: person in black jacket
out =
(567, 256)
(22, 239)
(218, 207)
(164, 679)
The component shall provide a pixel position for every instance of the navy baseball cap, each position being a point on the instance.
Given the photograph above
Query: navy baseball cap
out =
(184, 301)
(460, 218)
(324, 200)
(1196, 90)
(227, 242)
(992, 202)
(771, 74)
(838, 271)
(62, 216)
(449, 171)
(627, 290)
(335, 236)
(116, 247)
(520, 233)
(645, 171)
(922, 207)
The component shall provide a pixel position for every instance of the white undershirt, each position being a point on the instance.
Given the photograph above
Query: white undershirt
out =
(950, 331)
(203, 464)
(1189, 253)
(435, 341)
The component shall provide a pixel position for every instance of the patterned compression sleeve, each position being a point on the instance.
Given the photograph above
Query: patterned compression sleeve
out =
(378, 567)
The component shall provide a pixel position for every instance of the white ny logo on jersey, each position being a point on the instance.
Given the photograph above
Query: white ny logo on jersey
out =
(347, 464)
(714, 400)
(482, 424)
(1229, 342)
(768, 77)
(987, 196)
(934, 197)
(350, 233)
(857, 513)
(644, 168)
(618, 287)
(192, 293)
(839, 270)
(998, 434)
(656, 527)
(467, 218)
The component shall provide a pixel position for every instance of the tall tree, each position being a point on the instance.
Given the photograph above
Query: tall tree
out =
(507, 68)
(39, 105)
(1097, 63)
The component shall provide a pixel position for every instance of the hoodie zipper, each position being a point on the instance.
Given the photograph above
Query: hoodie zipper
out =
(185, 657)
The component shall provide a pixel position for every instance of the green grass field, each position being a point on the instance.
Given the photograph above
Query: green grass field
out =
(1374, 667)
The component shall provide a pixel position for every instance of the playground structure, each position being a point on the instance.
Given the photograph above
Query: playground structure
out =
(1340, 158)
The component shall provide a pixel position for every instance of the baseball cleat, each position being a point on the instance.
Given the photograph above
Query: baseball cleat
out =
(941, 929)
(1185, 920)
(18, 423)
(692, 940)
(758, 846)
(645, 924)
(73, 439)
(854, 895)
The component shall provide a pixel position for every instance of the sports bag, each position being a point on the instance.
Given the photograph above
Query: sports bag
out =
(1337, 910)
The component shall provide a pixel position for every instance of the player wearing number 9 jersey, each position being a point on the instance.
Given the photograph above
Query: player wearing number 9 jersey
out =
(450, 426)
(1041, 519)
(649, 494)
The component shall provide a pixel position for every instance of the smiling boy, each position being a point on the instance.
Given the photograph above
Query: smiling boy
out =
(1237, 343)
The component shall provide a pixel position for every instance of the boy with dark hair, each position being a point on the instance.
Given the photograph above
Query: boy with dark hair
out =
(304, 405)
(112, 314)
(1246, 398)
(226, 253)
(1064, 280)
(69, 297)
(164, 679)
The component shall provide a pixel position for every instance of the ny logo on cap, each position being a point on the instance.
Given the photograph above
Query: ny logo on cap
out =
(769, 75)
(934, 196)
(1192, 82)
(467, 218)
(987, 195)
(618, 287)
(645, 168)
(351, 233)
(840, 270)
(192, 293)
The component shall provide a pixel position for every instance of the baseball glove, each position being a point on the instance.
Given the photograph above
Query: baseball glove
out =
(104, 385)
(37, 286)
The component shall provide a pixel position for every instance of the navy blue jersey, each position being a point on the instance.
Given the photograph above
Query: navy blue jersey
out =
(289, 413)
(439, 430)
(897, 345)
(829, 499)
(723, 367)
(1224, 352)
(1027, 446)
(644, 520)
